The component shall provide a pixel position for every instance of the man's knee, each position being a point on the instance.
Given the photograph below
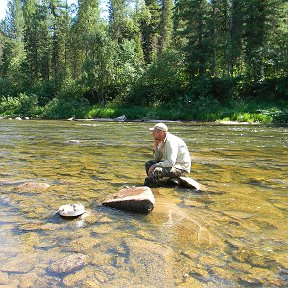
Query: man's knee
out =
(153, 178)
(148, 164)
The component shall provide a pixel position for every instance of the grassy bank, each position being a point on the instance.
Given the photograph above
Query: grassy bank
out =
(201, 110)
(252, 113)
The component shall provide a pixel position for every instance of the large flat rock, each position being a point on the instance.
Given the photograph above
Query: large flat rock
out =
(136, 199)
(186, 182)
(190, 183)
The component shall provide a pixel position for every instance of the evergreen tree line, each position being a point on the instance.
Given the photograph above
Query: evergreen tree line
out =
(142, 52)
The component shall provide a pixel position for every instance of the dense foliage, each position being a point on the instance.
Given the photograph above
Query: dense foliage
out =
(196, 59)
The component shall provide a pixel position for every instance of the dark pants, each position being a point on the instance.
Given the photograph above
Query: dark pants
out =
(160, 172)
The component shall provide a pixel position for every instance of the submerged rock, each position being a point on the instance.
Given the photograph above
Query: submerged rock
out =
(4, 278)
(137, 199)
(152, 262)
(32, 279)
(68, 264)
(19, 265)
(32, 187)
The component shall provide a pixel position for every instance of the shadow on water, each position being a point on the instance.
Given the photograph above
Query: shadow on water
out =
(233, 234)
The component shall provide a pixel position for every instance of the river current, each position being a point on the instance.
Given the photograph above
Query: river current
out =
(232, 234)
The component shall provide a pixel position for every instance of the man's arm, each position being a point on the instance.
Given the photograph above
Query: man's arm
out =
(170, 157)
(157, 150)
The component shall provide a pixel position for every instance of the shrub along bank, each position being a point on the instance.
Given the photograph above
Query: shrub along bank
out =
(202, 109)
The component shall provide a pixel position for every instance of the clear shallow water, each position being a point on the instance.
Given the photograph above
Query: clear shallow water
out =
(234, 234)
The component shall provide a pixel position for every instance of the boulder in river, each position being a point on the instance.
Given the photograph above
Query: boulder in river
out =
(136, 199)
(190, 183)
(185, 182)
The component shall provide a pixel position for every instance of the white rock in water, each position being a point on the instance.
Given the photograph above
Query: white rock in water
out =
(71, 210)
(137, 199)
(121, 118)
(72, 141)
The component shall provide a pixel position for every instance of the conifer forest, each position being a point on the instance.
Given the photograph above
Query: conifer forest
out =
(181, 59)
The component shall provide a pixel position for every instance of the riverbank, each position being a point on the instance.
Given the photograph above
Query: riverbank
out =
(244, 112)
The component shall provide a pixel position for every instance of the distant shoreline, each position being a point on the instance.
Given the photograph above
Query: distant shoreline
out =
(217, 122)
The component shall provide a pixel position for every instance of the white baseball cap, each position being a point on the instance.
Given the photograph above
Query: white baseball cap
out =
(159, 126)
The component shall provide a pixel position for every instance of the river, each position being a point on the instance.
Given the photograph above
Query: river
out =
(232, 234)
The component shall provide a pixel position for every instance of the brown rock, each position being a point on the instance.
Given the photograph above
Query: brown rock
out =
(137, 199)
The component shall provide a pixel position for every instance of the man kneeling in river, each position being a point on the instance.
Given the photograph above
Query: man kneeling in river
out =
(172, 157)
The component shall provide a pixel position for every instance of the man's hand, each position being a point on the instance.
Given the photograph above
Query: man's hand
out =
(156, 144)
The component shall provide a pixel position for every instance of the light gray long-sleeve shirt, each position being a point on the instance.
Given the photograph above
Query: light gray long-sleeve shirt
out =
(174, 153)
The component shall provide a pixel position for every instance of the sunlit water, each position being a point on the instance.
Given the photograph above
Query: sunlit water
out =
(233, 234)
